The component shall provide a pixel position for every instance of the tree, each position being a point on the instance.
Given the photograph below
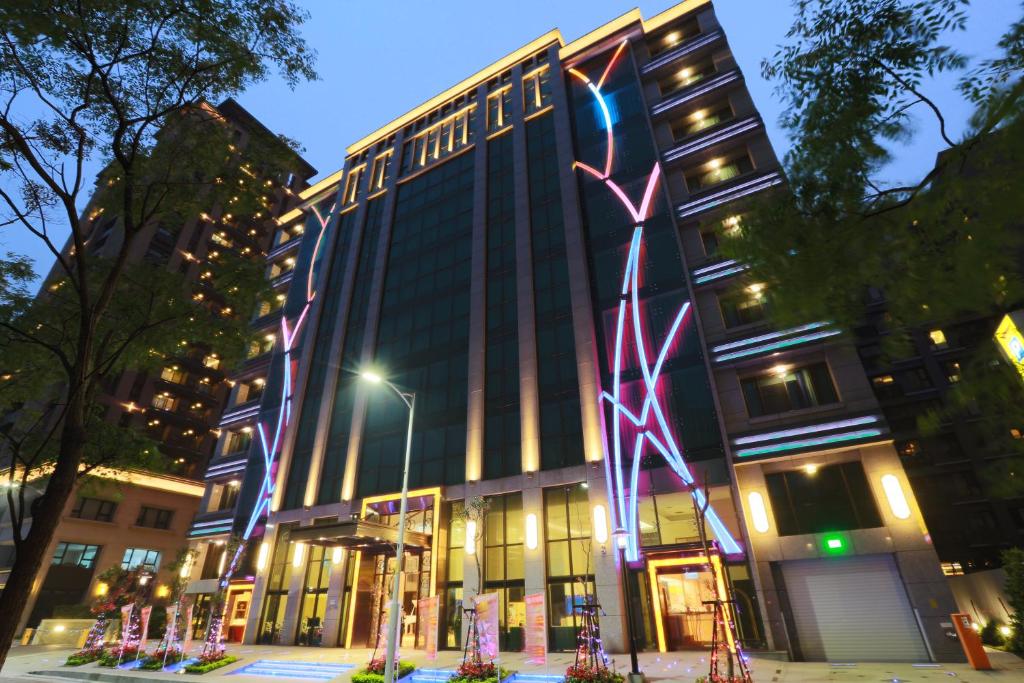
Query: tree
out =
(127, 82)
(1013, 563)
(850, 76)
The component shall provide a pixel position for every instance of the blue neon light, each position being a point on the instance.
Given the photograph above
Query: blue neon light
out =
(804, 443)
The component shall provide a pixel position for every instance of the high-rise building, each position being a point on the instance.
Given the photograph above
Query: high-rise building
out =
(533, 253)
(178, 406)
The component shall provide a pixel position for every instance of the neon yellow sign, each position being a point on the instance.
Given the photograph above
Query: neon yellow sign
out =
(1010, 339)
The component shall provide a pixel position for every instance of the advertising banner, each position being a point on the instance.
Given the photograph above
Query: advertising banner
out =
(187, 636)
(126, 623)
(536, 630)
(146, 611)
(429, 618)
(487, 624)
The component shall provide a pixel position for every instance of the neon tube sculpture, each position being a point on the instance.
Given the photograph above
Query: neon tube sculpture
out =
(270, 441)
(650, 421)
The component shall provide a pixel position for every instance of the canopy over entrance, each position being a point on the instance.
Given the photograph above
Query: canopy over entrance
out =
(361, 534)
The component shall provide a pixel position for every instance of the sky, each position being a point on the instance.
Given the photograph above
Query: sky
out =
(378, 59)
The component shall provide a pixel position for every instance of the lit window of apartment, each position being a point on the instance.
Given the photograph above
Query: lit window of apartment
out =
(379, 174)
(238, 440)
(687, 76)
(351, 192)
(211, 361)
(221, 238)
(744, 307)
(908, 448)
(173, 373)
(260, 346)
(279, 268)
(938, 339)
(94, 509)
(952, 371)
(141, 557)
(784, 387)
(885, 386)
(164, 401)
(820, 499)
(673, 37)
(75, 554)
(536, 90)
(250, 390)
(268, 306)
(717, 171)
(154, 518)
(702, 119)
(227, 496)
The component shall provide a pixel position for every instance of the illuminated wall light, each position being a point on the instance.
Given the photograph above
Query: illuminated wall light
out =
(531, 531)
(471, 537)
(600, 524)
(758, 511)
(162, 591)
(810, 469)
(263, 556)
(101, 588)
(59, 628)
(336, 556)
(298, 554)
(894, 493)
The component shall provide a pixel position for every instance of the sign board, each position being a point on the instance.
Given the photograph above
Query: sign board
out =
(428, 617)
(1011, 341)
(487, 624)
(536, 630)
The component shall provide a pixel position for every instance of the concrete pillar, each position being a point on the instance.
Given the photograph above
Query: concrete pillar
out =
(607, 572)
(296, 584)
(335, 593)
(259, 587)
(534, 567)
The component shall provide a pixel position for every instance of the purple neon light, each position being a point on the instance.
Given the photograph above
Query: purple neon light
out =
(625, 501)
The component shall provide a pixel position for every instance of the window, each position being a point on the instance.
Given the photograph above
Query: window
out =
(709, 239)
(701, 119)
(164, 401)
(251, 390)
(228, 496)
(915, 379)
(786, 388)
(503, 566)
(908, 448)
(260, 346)
(498, 109)
(452, 606)
(813, 501)
(279, 268)
(885, 386)
(952, 369)
(718, 171)
(569, 564)
(154, 518)
(239, 440)
(352, 184)
(173, 374)
(687, 76)
(141, 557)
(536, 90)
(379, 174)
(745, 307)
(440, 139)
(212, 361)
(938, 339)
(76, 554)
(94, 509)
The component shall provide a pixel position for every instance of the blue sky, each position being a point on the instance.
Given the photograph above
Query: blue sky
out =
(380, 58)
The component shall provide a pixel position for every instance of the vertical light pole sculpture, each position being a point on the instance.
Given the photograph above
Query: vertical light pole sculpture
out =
(409, 398)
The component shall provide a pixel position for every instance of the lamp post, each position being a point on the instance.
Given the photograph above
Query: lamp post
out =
(409, 398)
(621, 537)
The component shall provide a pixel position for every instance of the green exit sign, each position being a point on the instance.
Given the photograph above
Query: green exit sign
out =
(834, 544)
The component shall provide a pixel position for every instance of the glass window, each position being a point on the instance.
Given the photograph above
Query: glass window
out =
(569, 563)
(154, 518)
(673, 37)
(820, 499)
(686, 76)
(173, 373)
(503, 565)
(276, 600)
(744, 307)
(938, 339)
(94, 509)
(786, 388)
(701, 119)
(76, 554)
(718, 171)
(141, 557)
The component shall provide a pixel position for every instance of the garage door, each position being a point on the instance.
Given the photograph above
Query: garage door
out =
(852, 609)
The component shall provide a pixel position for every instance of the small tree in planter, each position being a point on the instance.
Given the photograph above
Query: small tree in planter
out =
(374, 671)
(591, 665)
(121, 587)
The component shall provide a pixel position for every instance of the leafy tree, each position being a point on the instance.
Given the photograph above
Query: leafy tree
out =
(1013, 563)
(850, 76)
(126, 82)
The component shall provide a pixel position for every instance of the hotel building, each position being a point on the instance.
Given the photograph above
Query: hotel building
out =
(533, 253)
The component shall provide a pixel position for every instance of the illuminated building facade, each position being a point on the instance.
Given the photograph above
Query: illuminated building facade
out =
(533, 252)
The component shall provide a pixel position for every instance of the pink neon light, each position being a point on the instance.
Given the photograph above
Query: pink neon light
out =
(611, 63)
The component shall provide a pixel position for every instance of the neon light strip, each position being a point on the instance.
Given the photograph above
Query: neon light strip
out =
(783, 344)
(718, 275)
(715, 266)
(625, 504)
(712, 137)
(810, 429)
(681, 51)
(770, 335)
(804, 443)
(697, 91)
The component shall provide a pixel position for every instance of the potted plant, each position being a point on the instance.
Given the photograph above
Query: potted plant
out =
(374, 671)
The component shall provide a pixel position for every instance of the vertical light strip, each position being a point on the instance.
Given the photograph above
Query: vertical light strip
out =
(758, 511)
(897, 499)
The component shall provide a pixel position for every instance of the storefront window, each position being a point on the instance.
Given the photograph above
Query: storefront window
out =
(314, 596)
(276, 599)
(503, 566)
(452, 616)
(570, 566)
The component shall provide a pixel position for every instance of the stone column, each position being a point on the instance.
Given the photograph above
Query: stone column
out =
(335, 593)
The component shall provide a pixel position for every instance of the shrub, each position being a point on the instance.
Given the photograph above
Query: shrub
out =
(469, 672)
(374, 671)
(83, 657)
(592, 674)
(1013, 564)
(990, 633)
(110, 657)
(205, 665)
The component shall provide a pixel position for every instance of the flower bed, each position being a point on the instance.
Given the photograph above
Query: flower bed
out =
(112, 656)
(155, 661)
(374, 671)
(590, 674)
(84, 657)
(469, 672)
(210, 662)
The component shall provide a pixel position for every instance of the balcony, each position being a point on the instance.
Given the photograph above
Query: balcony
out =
(687, 48)
(712, 136)
(696, 90)
(746, 185)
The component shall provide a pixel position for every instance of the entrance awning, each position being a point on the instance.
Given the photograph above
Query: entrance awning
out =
(370, 537)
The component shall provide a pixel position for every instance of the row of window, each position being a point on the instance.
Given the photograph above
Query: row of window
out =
(84, 556)
(100, 510)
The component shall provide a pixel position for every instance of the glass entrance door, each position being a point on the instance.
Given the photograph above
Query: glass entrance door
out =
(687, 621)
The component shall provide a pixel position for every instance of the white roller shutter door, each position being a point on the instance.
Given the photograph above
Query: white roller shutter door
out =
(852, 609)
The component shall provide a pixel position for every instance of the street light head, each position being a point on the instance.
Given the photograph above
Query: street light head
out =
(371, 376)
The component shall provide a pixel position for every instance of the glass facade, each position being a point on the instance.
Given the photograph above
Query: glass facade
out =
(570, 580)
(276, 594)
(503, 566)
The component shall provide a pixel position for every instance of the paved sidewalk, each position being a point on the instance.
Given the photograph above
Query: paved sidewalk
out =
(45, 663)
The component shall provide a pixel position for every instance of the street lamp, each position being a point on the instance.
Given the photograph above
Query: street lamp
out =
(409, 398)
(621, 537)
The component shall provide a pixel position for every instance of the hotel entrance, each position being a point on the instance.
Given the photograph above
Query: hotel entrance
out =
(682, 590)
